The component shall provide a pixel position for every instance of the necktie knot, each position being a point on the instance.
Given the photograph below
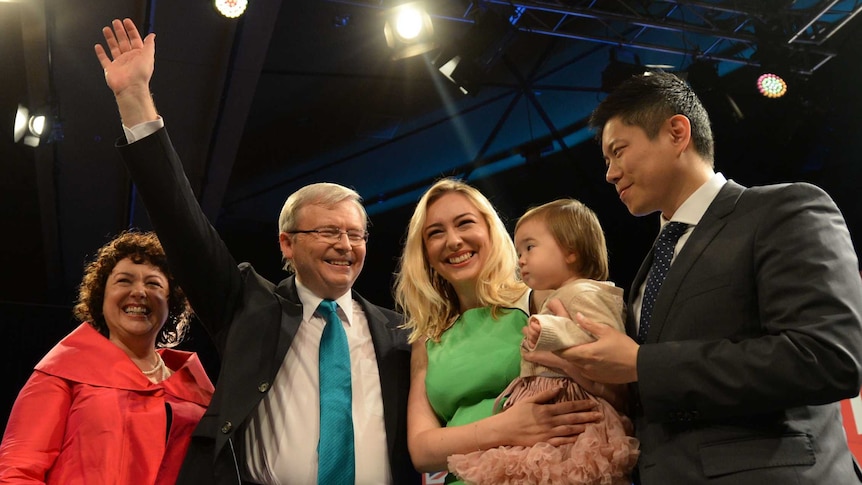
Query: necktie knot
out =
(672, 231)
(328, 309)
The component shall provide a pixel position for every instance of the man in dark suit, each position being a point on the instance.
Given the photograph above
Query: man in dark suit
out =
(738, 356)
(262, 425)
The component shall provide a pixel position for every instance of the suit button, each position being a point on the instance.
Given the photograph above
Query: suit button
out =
(263, 386)
(226, 427)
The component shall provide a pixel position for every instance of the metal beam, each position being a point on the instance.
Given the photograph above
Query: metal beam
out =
(559, 20)
(37, 61)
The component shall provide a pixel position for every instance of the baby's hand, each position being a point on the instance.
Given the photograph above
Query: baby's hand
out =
(531, 333)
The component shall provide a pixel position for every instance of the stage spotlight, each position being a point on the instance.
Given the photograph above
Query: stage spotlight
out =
(36, 126)
(409, 24)
(771, 85)
(22, 118)
(408, 30)
(463, 74)
(231, 8)
(29, 128)
(466, 61)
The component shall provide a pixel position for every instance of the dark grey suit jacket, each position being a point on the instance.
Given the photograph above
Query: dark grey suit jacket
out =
(755, 334)
(251, 321)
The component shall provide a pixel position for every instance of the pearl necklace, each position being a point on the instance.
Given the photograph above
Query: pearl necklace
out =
(153, 374)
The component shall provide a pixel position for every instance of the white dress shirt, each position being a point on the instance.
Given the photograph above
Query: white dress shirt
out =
(282, 434)
(690, 212)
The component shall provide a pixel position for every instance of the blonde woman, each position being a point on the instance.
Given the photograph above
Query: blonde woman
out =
(466, 311)
(561, 248)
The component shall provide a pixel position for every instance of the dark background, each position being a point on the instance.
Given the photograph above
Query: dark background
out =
(261, 106)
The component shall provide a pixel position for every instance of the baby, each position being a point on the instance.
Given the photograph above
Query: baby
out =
(561, 247)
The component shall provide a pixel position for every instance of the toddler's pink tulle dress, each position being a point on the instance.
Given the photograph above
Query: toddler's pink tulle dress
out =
(605, 453)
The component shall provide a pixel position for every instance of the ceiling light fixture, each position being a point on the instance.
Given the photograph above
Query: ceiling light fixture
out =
(231, 8)
(771, 85)
(408, 30)
(466, 60)
(462, 74)
(22, 118)
(408, 25)
(29, 128)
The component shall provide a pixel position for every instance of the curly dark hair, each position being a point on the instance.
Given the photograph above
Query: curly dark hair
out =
(140, 247)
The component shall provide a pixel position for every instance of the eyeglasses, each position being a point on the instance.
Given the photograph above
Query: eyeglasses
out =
(332, 235)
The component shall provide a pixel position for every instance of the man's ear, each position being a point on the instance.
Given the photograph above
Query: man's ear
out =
(286, 243)
(680, 131)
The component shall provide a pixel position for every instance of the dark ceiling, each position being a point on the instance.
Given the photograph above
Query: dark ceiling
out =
(302, 91)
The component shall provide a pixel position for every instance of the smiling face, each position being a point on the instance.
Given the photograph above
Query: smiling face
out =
(327, 269)
(643, 170)
(544, 264)
(456, 236)
(656, 174)
(135, 306)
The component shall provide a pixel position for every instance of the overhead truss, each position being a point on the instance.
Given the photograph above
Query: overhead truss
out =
(750, 32)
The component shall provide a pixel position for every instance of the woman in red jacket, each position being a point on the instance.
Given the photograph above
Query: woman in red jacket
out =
(104, 405)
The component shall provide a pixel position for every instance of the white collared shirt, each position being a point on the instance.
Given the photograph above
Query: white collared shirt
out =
(690, 212)
(282, 434)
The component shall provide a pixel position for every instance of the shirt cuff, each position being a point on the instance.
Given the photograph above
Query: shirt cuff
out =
(142, 130)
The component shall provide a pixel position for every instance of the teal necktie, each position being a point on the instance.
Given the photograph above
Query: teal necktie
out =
(335, 458)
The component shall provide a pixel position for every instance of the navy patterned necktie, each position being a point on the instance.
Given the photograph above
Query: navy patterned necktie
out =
(662, 256)
(335, 456)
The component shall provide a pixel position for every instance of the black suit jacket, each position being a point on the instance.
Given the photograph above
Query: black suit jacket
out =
(251, 321)
(755, 334)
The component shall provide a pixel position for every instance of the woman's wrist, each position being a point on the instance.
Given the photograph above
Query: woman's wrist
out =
(487, 435)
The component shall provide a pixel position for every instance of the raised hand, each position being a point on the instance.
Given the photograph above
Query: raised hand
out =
(128, 69)
(133, 59)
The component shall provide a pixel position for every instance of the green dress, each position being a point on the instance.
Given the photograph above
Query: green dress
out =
(476, 358)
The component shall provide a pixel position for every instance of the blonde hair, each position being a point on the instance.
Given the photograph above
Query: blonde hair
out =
(429, 302)
(576, 229)
(324, 194)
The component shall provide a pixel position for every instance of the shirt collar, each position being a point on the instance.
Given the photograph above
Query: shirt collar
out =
(310, 302)
(693, 209)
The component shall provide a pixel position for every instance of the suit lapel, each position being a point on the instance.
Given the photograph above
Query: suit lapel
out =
(703, 234)
(291, 317)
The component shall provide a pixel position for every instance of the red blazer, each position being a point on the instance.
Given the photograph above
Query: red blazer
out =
(88, 415)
